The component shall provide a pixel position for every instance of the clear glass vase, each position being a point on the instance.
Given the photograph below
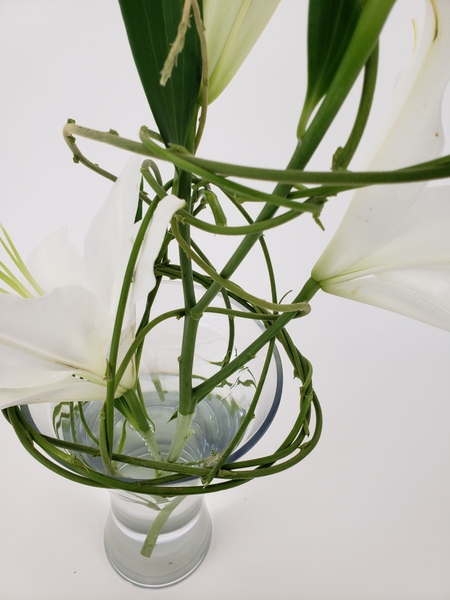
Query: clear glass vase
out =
(150, 540)
(155, 542)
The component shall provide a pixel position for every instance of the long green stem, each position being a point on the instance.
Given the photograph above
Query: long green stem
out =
(344, 155)
(242, 229)
(186, 407)
(157, 525)
(140, 337)
(217, 172)
(140, 421)
(105, 449)
(117, 331)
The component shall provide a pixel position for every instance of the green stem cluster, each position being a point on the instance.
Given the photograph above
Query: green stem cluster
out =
(196, 178)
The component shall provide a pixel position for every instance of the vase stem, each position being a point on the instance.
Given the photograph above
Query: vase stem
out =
(158, 524)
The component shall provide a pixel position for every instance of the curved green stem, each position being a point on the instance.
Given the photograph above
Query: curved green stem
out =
(140, 337)
(181, 216)
(186, 407)
(232, 287)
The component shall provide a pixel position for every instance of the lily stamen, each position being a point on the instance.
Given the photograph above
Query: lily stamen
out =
(12, 280)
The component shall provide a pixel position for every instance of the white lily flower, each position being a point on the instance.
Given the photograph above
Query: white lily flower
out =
(392, 248)
(232, 28)
(55, 334)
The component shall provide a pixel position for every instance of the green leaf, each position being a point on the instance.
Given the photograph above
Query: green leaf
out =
(331, 24)
(152, 27)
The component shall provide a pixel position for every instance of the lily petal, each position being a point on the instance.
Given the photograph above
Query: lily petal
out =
(56, 262)
(232, 29)
(411, 270)
(423, 295)
(13, 373)
(420, 240)
(108, 244)
(67, 330)
(68, 390)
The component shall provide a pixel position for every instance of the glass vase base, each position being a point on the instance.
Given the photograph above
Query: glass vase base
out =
(175, 555)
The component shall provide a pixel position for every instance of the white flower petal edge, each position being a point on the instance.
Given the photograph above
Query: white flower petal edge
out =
(56, 261)
(55, 347)
(68, 390)
(420, 295)
(392, 248)
(144, 279)
(410, 273)
(232, 29)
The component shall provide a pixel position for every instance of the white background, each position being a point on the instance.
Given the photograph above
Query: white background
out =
(366, 516)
